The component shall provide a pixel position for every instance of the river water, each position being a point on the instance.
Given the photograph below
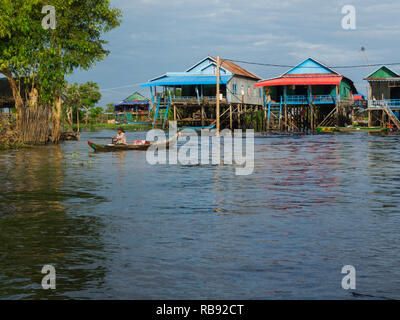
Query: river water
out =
(116, 227)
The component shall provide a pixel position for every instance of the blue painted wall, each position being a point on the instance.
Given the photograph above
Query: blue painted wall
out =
(207, 66)
(310, 66)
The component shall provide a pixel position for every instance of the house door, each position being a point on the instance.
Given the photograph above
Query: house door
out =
(301, 91)
(395, 93)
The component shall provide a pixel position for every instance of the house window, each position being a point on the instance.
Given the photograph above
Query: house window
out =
(249, 91)
(234, 89)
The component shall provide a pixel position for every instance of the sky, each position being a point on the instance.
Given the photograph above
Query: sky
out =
(159, 36)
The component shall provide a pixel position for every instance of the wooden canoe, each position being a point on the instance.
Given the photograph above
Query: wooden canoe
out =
(351, 129)
(137, 145)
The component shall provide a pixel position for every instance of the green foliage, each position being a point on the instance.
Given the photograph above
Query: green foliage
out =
(44, 57)
(90, 94)
(95, 114)
(82, 96)
(110, 108)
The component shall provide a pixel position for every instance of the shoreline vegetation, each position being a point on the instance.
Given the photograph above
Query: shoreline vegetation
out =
(36, 59)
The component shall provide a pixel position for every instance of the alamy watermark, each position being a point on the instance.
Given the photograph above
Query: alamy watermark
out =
(49, 280)
(210, 147)
(49, 21)
(349, 281)
(349, 21)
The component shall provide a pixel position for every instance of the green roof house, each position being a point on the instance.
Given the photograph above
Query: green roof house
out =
(384, 84)
(133, 109)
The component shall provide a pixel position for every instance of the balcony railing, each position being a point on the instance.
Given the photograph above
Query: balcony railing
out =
(303, 99)
(323, 99)
(184, 98)
(194, 98)
(296, 100)
(391, 103)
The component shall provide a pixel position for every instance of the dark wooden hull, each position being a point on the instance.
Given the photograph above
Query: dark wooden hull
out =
(110, 148)
(140, 147)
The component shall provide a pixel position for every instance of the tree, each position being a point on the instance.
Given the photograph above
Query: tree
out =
(71, 103)
(36, 61)
(80, 25)
(90, 95)
(20, 55)
(95, 114)
(81, 96)
(110, 107)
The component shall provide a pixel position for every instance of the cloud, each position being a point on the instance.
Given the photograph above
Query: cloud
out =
(159, 36)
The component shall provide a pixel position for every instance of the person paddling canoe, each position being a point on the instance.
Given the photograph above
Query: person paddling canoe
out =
(121, 138)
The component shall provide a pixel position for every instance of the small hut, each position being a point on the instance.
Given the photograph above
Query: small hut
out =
(192, 93)
(199, 83)
(384, 96)
(134, 109)
(308, 95)
(6, 97)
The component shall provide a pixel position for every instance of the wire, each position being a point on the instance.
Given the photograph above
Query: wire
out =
(335, 67)
(261, 64)
(269, 65)
(127, 86)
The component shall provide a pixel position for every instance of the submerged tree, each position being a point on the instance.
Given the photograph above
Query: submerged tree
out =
(20, 58)
(80, 96)
(36, 60)
(71, 102)
(90, 95)
(110, 107)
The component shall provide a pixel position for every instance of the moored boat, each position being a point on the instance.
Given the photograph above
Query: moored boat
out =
(141, 145)
(353, 129)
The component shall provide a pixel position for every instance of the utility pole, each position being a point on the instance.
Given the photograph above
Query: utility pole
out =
(77, 118)
(218, 102)
(364, 51)
(77, 114)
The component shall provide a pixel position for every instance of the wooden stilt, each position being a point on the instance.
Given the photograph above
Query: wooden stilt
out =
(312, 121)
(77, 119)
(218, 96)
(285, 108)
(202, 115)
(239, 116)
(230, 117)
(286, 118)
(370, 118)
(337, 104)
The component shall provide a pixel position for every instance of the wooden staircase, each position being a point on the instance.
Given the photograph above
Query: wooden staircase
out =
(274, 116)
(162, 112)
(392, 116)
(329, 120)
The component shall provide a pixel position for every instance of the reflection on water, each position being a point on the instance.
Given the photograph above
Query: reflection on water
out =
(36, 229)
(116, 227)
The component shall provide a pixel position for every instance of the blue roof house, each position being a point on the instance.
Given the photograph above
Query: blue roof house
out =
(197, 84)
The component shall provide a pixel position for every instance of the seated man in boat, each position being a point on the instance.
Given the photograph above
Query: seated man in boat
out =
(121, 138)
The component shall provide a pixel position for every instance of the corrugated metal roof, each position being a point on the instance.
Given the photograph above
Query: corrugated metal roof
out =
(187, 80)
(383, 79)
(136, 97)
(132, 103)
(383, 72)
(287, 81)
(311, 66)
(236, 69)
(303, 75)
